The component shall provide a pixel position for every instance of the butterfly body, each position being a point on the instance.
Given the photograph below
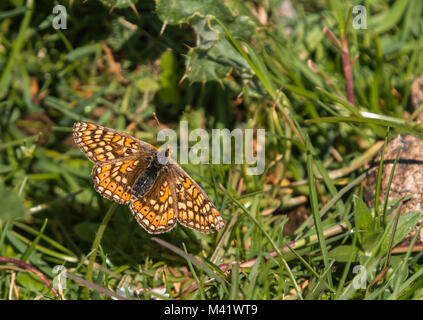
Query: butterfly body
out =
(147, 178)
(159, 192)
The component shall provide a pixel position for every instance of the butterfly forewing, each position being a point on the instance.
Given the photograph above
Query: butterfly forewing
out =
(195, 210)
(101, 144)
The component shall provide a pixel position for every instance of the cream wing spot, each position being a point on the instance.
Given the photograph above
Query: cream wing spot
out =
(110, 156)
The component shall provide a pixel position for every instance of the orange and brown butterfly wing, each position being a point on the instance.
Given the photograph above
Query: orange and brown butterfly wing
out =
(155, 210)
(101, 144)
(115, 179)
(119, 158)
(194, 208)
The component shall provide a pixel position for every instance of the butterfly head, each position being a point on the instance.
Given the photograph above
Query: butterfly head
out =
(163, 156)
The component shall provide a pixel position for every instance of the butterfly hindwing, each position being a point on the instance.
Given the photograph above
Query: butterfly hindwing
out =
(155, 210)
(115, 179)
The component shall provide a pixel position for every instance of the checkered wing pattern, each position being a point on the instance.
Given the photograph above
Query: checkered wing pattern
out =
(115, 179)
(155, 210)
(101, 144)
(127, 171)
(119, 158)
(194, 208)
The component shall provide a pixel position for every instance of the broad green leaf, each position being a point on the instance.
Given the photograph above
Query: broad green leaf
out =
(4, 168)
(121, 34)
(147, 83)
(168, 79)
(179, 11)
(12, 204)
(86, 230)
(365, 222)
(213, 58)
(206, 65)
(30, 281)
(206, 35)
(406, 223)
(119, 3)
(363, 216)
(343, 253)
(81, 52)
(388, 19)
(370, 239)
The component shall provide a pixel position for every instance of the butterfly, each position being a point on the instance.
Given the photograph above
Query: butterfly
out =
(158, 191)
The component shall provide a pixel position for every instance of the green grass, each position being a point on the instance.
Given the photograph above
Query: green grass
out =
(224, 67)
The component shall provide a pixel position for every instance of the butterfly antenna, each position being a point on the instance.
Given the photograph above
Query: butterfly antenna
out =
(157, 120)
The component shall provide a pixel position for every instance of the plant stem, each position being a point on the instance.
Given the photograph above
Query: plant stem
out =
(349, 84)
(95, 246)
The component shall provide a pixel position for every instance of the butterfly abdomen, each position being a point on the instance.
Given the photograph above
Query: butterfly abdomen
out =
(147, 178)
